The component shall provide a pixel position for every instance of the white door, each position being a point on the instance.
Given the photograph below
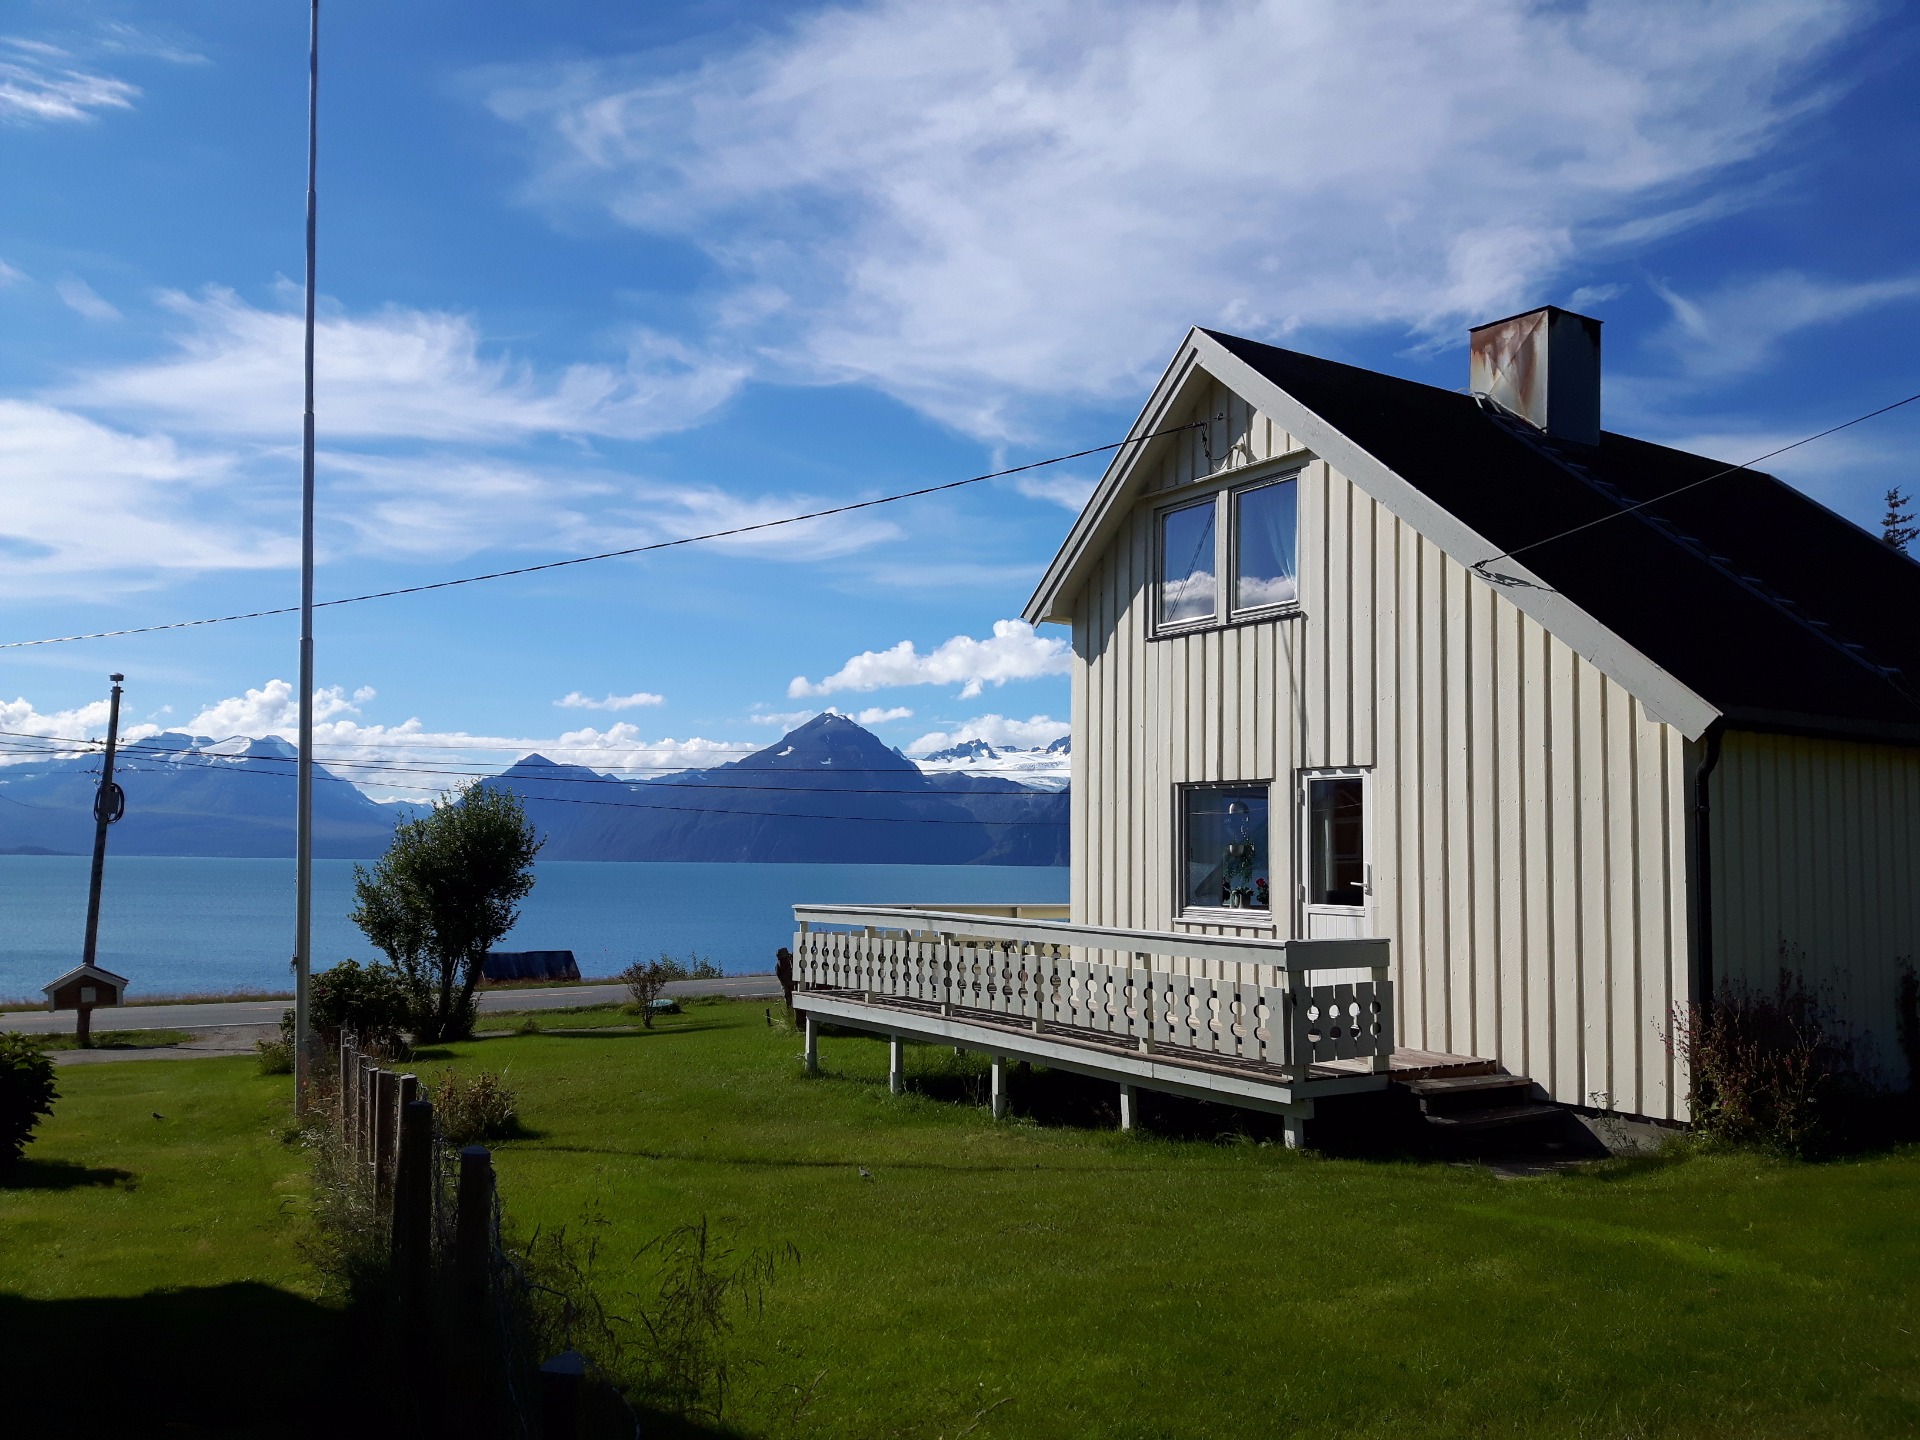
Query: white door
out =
(1336, 855)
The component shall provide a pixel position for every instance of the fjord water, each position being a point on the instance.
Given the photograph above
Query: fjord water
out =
(176, 925)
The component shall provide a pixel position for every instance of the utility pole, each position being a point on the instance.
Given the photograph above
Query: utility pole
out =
(109, 804)
(303, 843)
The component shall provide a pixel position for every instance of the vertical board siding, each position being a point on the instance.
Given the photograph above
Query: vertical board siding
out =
(1530, 820)
(1816, 862)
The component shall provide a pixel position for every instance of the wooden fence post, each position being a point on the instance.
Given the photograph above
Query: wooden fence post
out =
(385, 1115)
(473, 1227)
(896, 1065)
(560, 1395)
(413, 1199)
(999, 1087)
(364, 1112)
(346, 1080)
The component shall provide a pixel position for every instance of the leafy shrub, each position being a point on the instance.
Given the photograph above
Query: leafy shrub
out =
(646, 980)
(27, 1093)
(475, 1108)
(680, 1352)
(274, 1057)
(374, 1002)
(1764, 1065)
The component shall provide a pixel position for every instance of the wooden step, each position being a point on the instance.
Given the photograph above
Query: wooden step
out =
(1496, 1117)
(1448, 1086)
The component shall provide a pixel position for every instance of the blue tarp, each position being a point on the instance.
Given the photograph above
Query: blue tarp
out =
(531, 965)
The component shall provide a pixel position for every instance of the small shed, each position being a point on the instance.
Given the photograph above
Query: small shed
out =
(85, 985)
(530, 965)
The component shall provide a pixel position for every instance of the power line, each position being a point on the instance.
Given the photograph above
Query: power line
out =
(232, 769)
(1481, 565)
(64, 746)
(608, 554)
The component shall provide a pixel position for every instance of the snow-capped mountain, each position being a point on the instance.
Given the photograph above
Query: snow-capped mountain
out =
(1046, 767)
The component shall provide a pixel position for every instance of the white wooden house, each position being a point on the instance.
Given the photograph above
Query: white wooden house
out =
(1412, 689)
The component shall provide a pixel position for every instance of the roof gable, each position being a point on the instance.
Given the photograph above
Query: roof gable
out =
(1681, 604)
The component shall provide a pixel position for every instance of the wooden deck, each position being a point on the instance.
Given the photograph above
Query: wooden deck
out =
(1264, 1024)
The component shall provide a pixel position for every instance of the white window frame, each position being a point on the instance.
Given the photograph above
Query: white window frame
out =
(1225, 553)
(1304, 828)
(1222, 914)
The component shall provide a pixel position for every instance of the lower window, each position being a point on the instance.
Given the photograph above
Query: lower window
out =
(1336, 840)
(1224, 848)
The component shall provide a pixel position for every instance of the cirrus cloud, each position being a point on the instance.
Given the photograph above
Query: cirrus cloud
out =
(975, 208)
(574, 700)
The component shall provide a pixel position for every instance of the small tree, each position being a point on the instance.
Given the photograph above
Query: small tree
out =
(27, 1094)
(1896, 526)
(647, 980)
(449, 886)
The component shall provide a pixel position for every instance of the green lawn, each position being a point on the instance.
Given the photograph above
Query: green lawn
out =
(1069, 1280)
(993, 1280)
(158, 1259)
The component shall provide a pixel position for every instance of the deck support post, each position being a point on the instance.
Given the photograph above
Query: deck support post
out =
(1126, 1107)
(896, 1065)
(999, 1087)
(1294, 1130)
(813, 1044)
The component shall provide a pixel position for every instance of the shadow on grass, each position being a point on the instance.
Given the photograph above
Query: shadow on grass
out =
(230, 1360)
(62, 1175)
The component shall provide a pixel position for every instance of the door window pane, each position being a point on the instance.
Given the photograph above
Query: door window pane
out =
(1265, 522)
(1336, 841)
(1226, 847)
(1188, 585)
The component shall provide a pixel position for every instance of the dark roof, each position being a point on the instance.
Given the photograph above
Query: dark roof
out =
(1684, 596)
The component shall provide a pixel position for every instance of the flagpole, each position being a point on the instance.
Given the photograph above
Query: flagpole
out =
(303, 844)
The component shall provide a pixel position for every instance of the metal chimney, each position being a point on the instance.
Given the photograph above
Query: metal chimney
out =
(1543, 366)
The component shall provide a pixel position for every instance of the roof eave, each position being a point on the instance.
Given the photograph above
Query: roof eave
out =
(1062, 577)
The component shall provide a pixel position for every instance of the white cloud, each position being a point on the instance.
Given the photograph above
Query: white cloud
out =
(1014, 652)
(995, 730)
(872, 715)
(9, 275)
(171, 510)
(38, 82)
(19, 717)
(574, 700)
(410, 761)
(1590, 295)
(1739, 328)
(83, 299)
(441, 504)
(272, 709)
(1068, 491)
(398, 374)
(978, 207)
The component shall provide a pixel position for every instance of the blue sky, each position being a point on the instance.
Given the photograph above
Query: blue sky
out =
(599, 274)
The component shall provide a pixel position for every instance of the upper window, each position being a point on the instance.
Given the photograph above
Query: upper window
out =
(1189, 568)
(1248, 535)
(1224, 845)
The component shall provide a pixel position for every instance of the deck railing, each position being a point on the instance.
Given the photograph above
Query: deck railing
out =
(1265, 1001)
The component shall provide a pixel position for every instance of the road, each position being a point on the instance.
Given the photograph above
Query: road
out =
(224, 1014)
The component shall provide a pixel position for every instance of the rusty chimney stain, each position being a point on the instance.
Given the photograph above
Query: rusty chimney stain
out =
(1543, 366)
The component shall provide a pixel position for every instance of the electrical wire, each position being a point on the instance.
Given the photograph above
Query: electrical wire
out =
(64, 746)
(608, 554)
(1481, 565)
(230, 768)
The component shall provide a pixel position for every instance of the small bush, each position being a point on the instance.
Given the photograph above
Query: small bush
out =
(374, 1002)
(27, 1093)
(274, 1057)
(647, 979)
(475, 1108)
(1764, 1066)
(1906, 1014)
